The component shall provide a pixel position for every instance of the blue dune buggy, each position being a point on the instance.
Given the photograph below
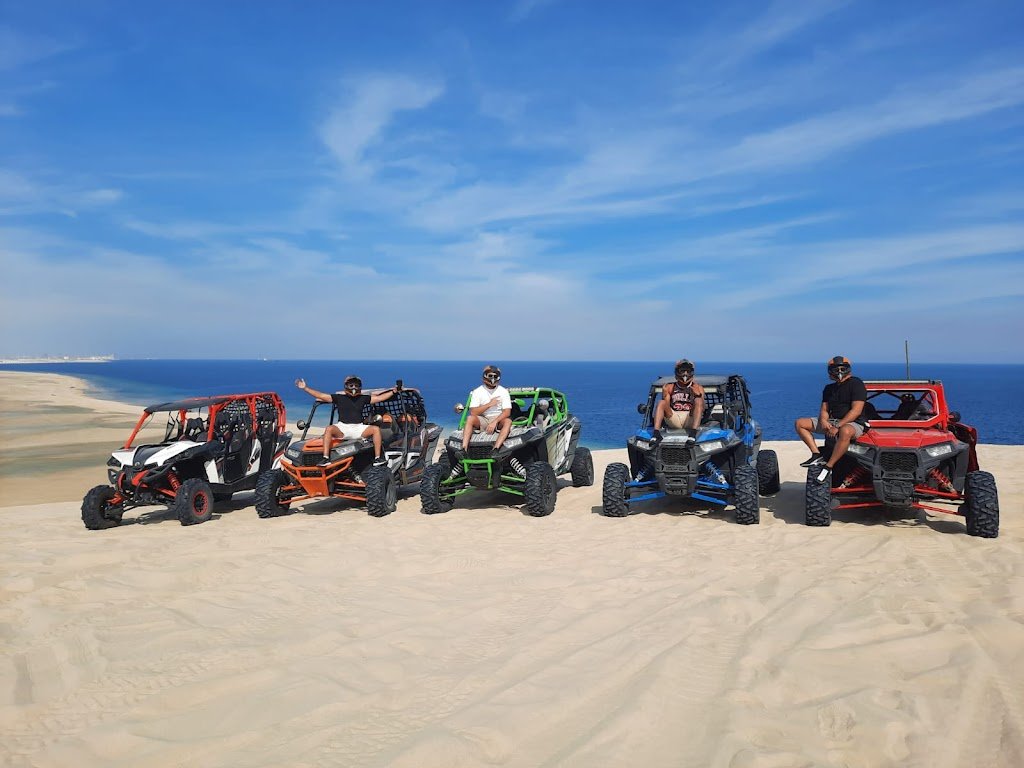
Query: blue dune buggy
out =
(720, 463)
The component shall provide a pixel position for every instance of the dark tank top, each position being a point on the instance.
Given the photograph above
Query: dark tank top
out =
(681, 398)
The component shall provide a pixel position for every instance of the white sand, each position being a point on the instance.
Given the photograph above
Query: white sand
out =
(485, 637)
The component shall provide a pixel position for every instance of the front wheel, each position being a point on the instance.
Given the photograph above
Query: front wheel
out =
(748, 509)
(381, 492)
(430, 489)
(97, 512)
(817, 500)
(193, 504)
(541, 489)
(270, 501)
(614, 496)
(768, 481)
(582, 468)
(981, 506)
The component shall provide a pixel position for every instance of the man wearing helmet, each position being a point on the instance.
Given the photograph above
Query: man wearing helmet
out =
(490, 409)
(682, 401)
(841, 417)
(350, 425)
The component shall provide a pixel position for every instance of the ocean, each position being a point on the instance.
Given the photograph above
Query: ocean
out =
(603, 394)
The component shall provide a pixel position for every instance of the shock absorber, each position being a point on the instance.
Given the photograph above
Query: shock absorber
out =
(858, 475)
(642, 474)
(714, 472)
(517, 465)
(942, 479)
(174, 481)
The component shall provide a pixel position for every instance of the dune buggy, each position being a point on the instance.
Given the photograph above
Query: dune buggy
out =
(719, 463)
(543, 443)
(915, 451)
(409, 440)
(209, 449)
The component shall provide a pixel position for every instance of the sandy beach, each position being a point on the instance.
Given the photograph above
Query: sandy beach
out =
(484, 637)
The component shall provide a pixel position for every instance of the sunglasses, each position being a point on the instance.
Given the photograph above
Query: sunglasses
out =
(353, 387)
(492, 377)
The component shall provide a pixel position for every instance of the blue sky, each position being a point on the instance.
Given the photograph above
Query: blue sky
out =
(542, 179)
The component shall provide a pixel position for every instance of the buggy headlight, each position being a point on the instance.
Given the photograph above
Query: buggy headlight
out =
(857, 448)
(711, 446)
(643, 445)
(942, 449)
(112, 462)
(513, 443)
(292, 453)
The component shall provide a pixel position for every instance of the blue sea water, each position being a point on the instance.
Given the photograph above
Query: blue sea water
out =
(603, 394)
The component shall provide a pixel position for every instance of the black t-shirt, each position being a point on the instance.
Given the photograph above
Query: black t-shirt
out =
(840, 397)
(350, 409)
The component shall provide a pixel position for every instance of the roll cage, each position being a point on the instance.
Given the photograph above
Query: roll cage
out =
(531, 405)
(726, 400)
(207, 418)
(405, 409)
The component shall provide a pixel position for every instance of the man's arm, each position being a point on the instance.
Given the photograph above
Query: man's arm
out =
(380, 397)
(480, 409)
(698, 404)
(323, 397)
(856, 409)
(823, 419)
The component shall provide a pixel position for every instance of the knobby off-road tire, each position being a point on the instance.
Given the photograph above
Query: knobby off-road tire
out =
(268, 494)
(748, 510)
(430, 489)
(981, 507)
(540, 489)
(768, 473)
(97, 512)
(613, 491)
(193, 503)
(582, 468)
(381, 492)
(817, 500)
(445, 464)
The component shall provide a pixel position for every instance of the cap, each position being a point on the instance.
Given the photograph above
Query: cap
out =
(684, 365)
(353, 380)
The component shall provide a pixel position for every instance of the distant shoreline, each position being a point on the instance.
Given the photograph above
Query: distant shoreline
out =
(37, 360)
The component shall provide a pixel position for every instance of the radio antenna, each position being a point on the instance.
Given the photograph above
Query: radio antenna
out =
(906, 354)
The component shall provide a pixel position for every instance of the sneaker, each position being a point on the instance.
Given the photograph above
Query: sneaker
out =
(813, 461)
(380, 461)
(825, 476)
(324, 461)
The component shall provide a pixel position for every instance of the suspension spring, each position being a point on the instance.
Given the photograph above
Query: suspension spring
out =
(714, 472)
(858, 475)
(517, 465)
(174, 481)
(642, 474)
(942, 479)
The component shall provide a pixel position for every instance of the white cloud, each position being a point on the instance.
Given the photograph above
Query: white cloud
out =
(357, 125)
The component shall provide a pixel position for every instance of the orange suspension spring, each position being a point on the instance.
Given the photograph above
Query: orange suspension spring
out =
(174, 481)
(858, 475)
(943, 480)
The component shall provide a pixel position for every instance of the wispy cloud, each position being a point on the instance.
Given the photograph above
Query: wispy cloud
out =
(21, 195)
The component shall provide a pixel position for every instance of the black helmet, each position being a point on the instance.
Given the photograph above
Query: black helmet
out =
(839, 367)
(683, 367)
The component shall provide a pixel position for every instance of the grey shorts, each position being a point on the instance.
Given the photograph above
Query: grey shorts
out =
(858, 428)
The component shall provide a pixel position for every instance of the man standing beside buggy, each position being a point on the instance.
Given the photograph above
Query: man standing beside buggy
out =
(841, 417)
(682, 401)
(349, 405)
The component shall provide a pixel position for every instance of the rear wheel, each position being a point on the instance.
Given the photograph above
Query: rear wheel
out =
(817, 500)
(582, 468)
(748, 510)
(430, 488)
(97, 512)
(768, 473)
(981, 506)
(614, 497)
(381, 492)
(270, 500)
(540, 489)
(193, 504)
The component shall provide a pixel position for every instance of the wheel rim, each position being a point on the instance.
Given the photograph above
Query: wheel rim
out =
(200, 504)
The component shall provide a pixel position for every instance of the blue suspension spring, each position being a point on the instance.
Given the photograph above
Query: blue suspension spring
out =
(714, 472)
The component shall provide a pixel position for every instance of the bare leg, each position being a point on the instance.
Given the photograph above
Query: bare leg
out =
(697, 414)
(506, 427)
(330, 434)
(467, 431)
(843, 440)
(374, 433)
(805, 429)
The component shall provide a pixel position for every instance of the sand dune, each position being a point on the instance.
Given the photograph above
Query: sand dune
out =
(485, 637)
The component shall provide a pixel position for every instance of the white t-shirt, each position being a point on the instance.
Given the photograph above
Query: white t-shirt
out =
(482, 395)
